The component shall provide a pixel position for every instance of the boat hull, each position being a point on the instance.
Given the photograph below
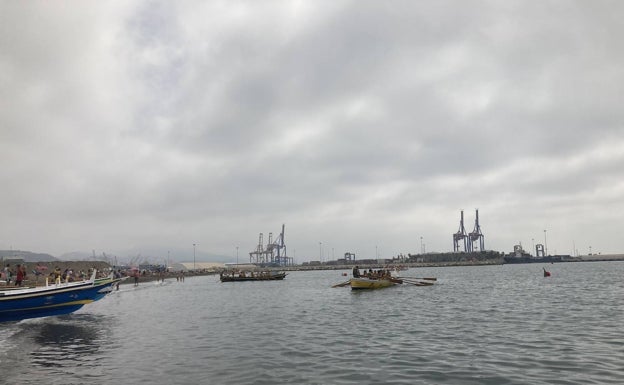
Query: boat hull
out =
(19, 304)
(267, 277)
(369, 284)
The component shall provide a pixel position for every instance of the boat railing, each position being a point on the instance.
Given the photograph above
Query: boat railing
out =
(58, 282)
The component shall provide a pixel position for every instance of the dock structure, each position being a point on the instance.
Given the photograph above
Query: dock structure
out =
(274, 253)
(540, 251)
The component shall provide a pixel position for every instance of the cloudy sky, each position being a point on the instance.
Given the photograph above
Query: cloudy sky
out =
(146, 126)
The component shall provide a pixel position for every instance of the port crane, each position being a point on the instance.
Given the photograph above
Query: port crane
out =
(273, 253)
(476, 235)
(460, 235)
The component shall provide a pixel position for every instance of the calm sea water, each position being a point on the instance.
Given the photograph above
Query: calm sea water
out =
(478, 325)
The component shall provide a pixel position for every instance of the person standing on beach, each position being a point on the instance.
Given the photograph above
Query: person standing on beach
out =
(20, 275)
(7, 273)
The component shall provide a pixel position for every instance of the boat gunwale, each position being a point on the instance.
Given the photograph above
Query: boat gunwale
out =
(40, 290)
(32, 292)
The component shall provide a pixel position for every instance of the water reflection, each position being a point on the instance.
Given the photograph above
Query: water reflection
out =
(67, 341)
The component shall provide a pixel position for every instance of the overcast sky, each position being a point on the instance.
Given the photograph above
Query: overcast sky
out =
(144, 127)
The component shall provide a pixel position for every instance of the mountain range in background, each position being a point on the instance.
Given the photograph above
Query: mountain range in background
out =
(129, 257)
(27, 256)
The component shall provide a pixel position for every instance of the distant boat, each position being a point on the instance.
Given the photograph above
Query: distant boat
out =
(508, 259)
(252, 276)
(51, 300)
(521, 256)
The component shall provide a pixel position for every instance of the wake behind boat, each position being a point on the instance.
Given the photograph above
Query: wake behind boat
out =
(51, 300)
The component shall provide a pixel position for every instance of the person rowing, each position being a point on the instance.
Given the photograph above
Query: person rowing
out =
(356, 272)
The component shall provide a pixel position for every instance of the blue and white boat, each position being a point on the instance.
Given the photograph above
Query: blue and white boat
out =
(50, 300)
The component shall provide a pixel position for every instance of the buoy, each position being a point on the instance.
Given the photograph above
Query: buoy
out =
(344, 274)
(546, 273)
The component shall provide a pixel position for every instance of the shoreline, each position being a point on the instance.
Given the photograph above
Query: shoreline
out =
(150, 276)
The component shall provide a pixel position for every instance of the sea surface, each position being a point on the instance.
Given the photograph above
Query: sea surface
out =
(477, 325)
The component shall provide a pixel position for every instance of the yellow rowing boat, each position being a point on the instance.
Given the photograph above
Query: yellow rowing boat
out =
(369, 283)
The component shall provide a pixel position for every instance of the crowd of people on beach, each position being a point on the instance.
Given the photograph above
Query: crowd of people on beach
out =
(17, 275)
(149, 275)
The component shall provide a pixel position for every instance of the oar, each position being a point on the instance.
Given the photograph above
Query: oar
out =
(428, 279)
(419, 279)
(342, 284)
(420, 283)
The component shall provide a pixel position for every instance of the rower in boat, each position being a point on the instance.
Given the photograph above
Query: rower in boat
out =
(372, 281)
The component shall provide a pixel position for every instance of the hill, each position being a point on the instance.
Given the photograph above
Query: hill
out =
(27, 256)
(75, 256)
